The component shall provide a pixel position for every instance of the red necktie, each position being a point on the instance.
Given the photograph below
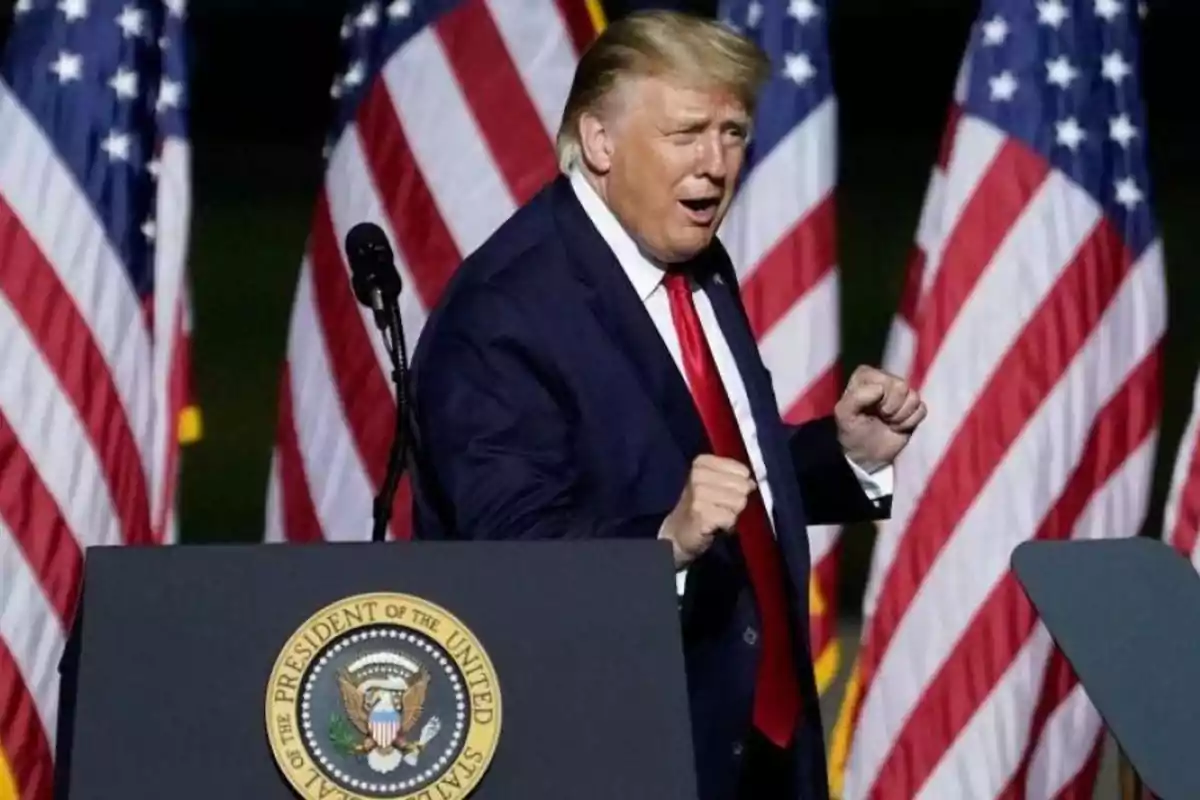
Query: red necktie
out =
(776, 695)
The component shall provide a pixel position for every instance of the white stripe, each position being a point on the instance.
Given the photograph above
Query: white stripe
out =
(929, 227)
(982, 760)
(273, 528)
(469, 191)
(541, 49)
(802, 345)
(31, 629)
(352, 196)
(172, 219)
(977, 554)
(805, 162)
(62, 222)
(976, 145)
(52, 435)
(338, 482)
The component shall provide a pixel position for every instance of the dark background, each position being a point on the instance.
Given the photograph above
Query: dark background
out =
(260, 102)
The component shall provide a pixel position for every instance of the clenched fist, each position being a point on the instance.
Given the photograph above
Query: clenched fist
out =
(715, 494)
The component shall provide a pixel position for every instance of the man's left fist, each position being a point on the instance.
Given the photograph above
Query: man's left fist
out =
(876, 416)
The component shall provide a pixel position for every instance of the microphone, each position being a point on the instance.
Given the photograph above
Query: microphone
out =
(377, 286)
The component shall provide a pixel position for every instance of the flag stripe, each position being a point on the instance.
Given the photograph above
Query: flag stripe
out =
(983, 337)
(447, 144)
(335, 480)
(817, 400)
(761, 216)
(791, 269)
(581, 20)
(32, 633)
(50, 316)
(542, 50)
(43, 196)
(360, 384)
(47, 423)
(299, 517)
(999, 201)
(809, 321)
(417, 226)
(23, 742)
(996, 419)
(493, 89)
(38, 527)
(1006, 619)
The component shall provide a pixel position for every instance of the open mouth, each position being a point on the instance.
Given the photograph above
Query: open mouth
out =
(701, 209)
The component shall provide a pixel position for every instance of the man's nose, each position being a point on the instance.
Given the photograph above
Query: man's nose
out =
(712, 158)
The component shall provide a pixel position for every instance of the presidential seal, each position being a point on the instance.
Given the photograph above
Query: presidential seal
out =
(383, 696)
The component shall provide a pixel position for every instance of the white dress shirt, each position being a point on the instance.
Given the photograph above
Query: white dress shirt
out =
(647, 280)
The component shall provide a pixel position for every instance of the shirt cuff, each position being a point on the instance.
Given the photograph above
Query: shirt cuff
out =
(876, 485)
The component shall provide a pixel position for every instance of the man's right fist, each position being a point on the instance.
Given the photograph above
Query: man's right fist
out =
(715, 494)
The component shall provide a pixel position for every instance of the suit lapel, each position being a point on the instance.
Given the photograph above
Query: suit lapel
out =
(623, 315)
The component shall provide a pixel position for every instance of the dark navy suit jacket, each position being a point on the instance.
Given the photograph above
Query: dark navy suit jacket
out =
(548, 407)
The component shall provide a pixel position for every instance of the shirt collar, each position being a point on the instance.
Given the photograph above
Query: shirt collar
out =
(643, 273)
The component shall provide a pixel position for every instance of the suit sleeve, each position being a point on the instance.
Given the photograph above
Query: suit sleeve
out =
(495, 431)
(831, 492)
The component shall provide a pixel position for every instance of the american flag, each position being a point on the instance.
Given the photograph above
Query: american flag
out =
(1032, 324)
(1181, 523)
(94, 214)
(781, 236)
(446, 112)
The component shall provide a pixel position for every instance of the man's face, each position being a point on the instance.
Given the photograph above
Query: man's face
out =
(675, 154)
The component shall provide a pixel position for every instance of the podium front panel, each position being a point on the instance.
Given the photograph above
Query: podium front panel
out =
(175, 650)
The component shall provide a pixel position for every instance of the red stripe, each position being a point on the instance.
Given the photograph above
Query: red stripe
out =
(65, 341)
(792, 267)
(496, 95)
(421, 234)
(22, 738)
(949, 136)
(1184, 534)
(818, 399)
(368, 405)
(33, 516)
(177, 398)
(578, 22)
(299, 517)
(910, 295)
(1019, 384)
(995, 205)
(1005, 621)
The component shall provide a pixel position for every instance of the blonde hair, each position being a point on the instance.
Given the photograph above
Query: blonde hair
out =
(654, 44)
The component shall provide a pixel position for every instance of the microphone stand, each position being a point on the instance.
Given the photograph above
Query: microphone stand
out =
(393, 338)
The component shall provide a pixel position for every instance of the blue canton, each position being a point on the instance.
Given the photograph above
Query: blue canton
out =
(793, 35)
(106, 81)
(1062, 77)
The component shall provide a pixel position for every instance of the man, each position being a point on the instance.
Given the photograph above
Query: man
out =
(590, 372)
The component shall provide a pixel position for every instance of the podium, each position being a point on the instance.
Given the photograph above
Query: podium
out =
(417, 670)
(1126, 615)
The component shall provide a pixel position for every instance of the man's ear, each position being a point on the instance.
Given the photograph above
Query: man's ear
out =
(596, 140)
